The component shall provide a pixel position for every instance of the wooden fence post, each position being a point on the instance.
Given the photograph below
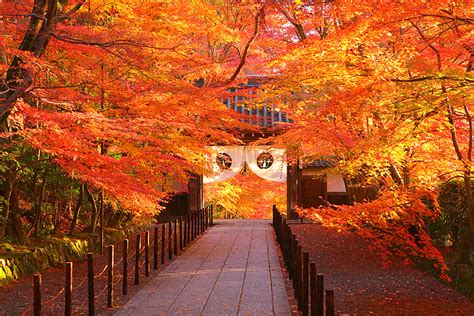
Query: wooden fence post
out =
(155, 248)
(305, 283)
(180, 234)
(185, 231)
(192, 226)
(293, 257)
(170, 239)
(147, 253)
(68, 290)
(319, 295)
(330, 303)
(199, 226)
(198, 222)
(125, 268)
(37, 294)
(175, 237)
(201, 218)
(188, 230)
(90, 284)
(299, 278)
(137, 259)
(312, 281)
(163, 243)
(294, 243)
(212, 215)
(110, 279)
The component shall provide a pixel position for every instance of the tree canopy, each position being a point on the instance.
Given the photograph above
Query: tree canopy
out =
(124, 96)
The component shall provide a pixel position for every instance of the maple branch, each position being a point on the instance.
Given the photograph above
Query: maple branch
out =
(432, 78)
(434, 49)
(453, 132)
(469, 119)
(247, 46)
(298, 27)
(452, 17)
(77, 41)
(68, 14)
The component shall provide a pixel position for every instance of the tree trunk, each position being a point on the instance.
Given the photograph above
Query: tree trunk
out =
(77, 209)
(10, 179)
(39, 206)
(15, 228)
(95, 211)
(469, 199)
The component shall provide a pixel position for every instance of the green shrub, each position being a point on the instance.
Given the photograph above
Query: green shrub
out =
(447, 229)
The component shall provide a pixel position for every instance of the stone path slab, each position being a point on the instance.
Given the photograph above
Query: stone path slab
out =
(232, 269)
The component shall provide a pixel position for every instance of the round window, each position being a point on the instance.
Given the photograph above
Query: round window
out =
(264, 160)
(224, 161)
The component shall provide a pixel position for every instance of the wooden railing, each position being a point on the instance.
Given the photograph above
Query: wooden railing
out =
(308, 285)
(181, 233)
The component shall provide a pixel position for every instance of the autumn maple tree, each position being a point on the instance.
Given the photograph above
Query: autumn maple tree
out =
(116, 102)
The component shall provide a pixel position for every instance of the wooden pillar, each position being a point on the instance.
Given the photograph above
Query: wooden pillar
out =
(125, 268)
(195, 187)
(110, 277)
(68, 290)
(163, 243)
(292, 185)
(37, 294)
(170, 237)
(155, 248)
(137, 259)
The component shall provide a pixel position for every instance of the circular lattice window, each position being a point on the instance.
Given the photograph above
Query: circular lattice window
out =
(224, 161)
(264, 160)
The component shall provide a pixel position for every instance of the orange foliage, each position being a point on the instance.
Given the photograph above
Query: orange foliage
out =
(246, 195)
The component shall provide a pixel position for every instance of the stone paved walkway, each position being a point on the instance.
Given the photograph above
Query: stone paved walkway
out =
(232, 269)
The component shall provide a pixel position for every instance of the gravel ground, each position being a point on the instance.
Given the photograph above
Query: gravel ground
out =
(363, 286)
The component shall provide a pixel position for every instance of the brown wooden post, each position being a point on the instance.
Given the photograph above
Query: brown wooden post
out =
(305, 283)
(155, 248)
(330, 310)
(185, 231)
(36, 294)
(198, 222)
(299, 278)
(189, 228)
(163, 243)
(180, 220)
(192, 226)
(125, 268)
(293, 259)
(90, 284)
(195, 224)
(330, 303)
(201, 220)
(147, 253)
(312, 281)
(212, 215)
(175, 237)
(110, 279)
(138, 246)
(170, 240)
(319, 295)
(294, 243)
(198, 229)
(68, 290)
